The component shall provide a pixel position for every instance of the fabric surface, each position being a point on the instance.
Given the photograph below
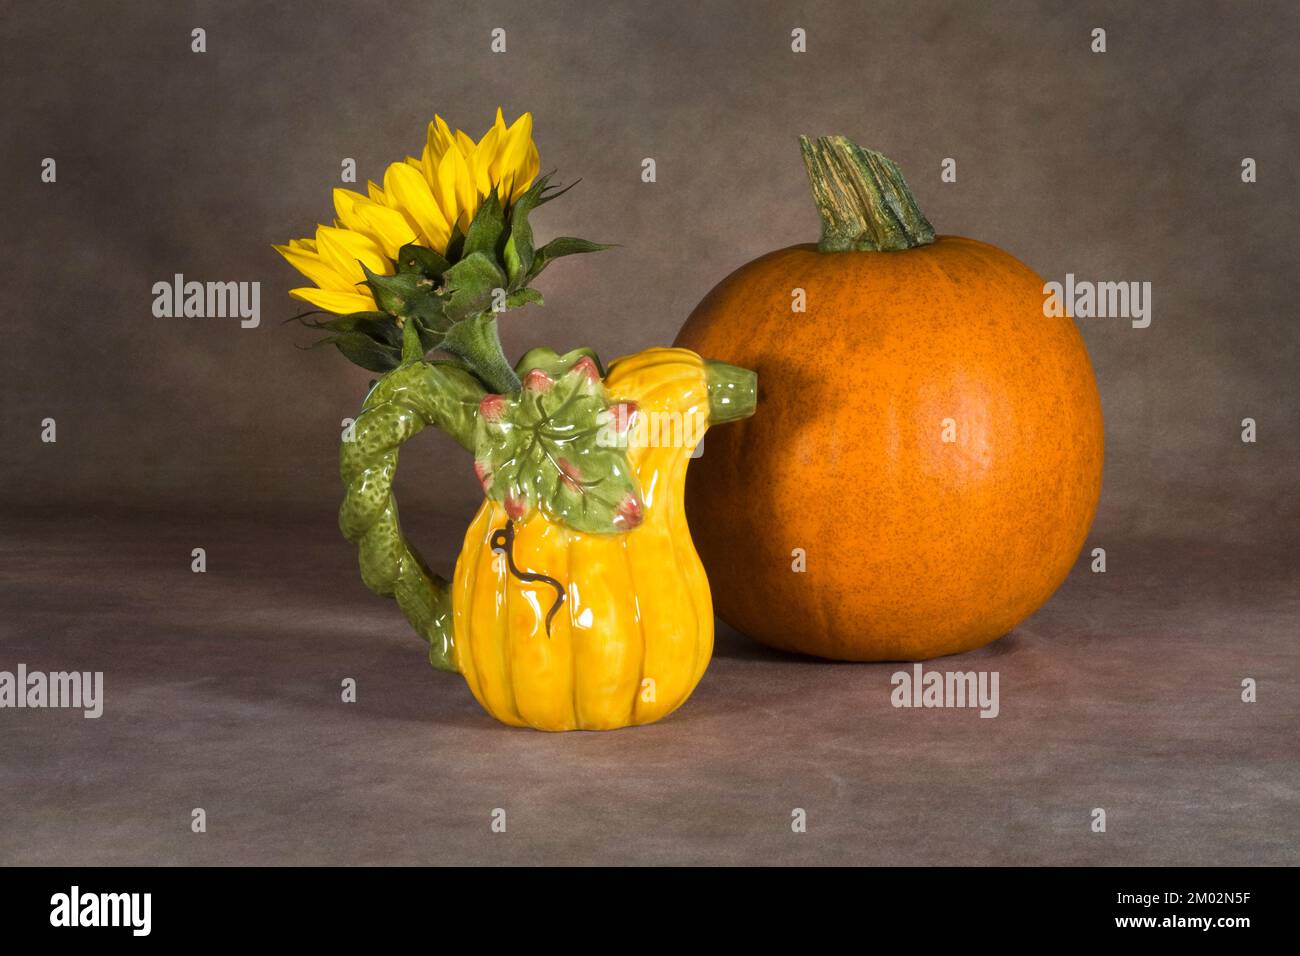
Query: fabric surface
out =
(223, 691)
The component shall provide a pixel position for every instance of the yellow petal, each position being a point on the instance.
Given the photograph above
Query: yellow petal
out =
(514, 154)
(314, 268)
(527, 174)
(485, 154)
(376, 194)
(388, 228)
(345, 201)
(429, 165)
(455, 191)
(465, 144)
(345, 250)
(360, 247)
(340, 303)
(408, 192)
(439, 140)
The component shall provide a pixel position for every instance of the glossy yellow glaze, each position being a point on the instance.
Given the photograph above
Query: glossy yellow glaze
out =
(635, 632)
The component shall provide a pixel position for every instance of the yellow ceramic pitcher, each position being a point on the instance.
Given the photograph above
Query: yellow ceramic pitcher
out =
(578, 601)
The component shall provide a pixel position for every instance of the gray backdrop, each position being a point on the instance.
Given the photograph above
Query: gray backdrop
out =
(177, 433)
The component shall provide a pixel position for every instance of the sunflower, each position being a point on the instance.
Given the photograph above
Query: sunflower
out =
(428, 259)
(428, 201)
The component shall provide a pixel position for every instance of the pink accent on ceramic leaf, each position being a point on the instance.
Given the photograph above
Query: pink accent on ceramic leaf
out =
(537, 381)
(629, 513)
(587, 366)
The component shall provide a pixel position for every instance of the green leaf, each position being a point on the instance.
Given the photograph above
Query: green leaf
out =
(563, 246)
(412, 347)
(522, 297)
(468, 286)
(429, 309)
(421, 260)
(551, 447)
(431, 335)
(554, 192)
(380, 326)
(519, 247)
(519, 259)
(485, 231)
(593, 505)
(554, 364)
(410, 295)
(394, 293)
(455, 245)
(369, 339)
(361, 349)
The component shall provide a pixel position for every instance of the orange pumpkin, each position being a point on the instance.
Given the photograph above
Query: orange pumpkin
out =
(928, 447)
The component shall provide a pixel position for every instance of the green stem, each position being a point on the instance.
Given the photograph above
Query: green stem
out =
(476, 342)
(862, 197)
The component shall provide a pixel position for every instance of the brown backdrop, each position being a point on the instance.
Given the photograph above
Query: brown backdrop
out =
(175, 433)
(1116, 166)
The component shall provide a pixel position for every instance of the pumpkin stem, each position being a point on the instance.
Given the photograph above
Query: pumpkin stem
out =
(862, 197)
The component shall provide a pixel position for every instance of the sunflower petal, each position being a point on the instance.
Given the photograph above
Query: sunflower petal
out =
(345, 204)
(439, 140)
(340, 303)
(455, 191)
(514, 154)
(428, 165)
(527, 174)
(388, 228)
(314, 268)
(464, 143)
(345, 250)
(485, 154)
(408, 192)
